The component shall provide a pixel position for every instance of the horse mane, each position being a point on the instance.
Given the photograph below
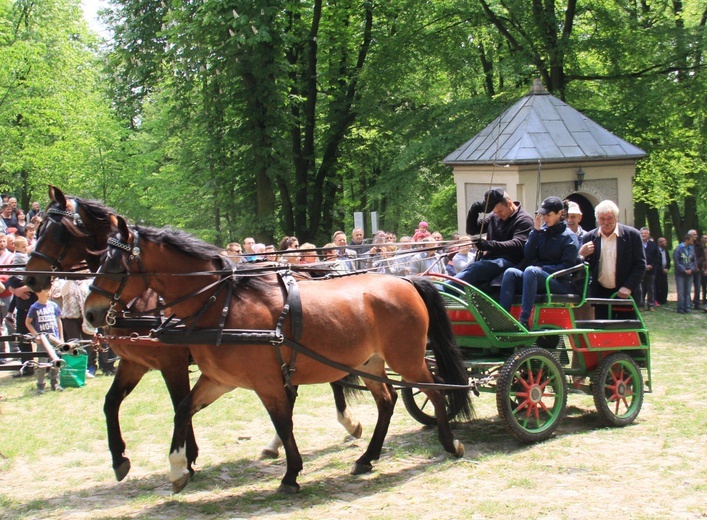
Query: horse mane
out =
(181, 241)
(195, 247)
(97, 210)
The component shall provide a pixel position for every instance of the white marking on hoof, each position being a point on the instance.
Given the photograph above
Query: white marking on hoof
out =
(458, 449)
(178, 465)
(272, 450)
(352, 425)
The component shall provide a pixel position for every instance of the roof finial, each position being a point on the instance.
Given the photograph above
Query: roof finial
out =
(537, 88)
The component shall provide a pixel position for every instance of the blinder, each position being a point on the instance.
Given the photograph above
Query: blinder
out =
(55, 215)
(121, 277)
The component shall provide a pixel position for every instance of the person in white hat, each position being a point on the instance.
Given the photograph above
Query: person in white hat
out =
(574, 217)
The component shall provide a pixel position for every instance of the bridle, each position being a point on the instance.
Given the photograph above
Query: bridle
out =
(133, 255)
(55, 263)
(133, 252)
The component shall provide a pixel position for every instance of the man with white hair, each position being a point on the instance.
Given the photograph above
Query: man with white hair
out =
(617, 261)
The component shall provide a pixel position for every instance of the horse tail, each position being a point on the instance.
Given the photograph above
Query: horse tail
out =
(448, 356)
(352, 386)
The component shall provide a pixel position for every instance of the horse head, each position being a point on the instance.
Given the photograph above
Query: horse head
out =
(138, 258)
(74, 230)
(114, 287)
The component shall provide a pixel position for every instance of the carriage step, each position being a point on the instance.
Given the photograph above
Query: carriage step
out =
(609, 324)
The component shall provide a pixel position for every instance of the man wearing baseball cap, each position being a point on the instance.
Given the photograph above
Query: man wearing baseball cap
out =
(507, 227)
(551, 247)
(574, 217)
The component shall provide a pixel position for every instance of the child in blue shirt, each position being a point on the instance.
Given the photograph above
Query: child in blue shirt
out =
(43, 318)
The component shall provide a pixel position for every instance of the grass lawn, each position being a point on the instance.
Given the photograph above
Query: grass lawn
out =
(55, 464)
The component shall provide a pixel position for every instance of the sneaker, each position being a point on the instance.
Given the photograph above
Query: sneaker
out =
(40, 391)
(656, 304)
(57, 388)
(90, 374)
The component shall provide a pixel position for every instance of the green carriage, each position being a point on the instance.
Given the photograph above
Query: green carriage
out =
(564, 350)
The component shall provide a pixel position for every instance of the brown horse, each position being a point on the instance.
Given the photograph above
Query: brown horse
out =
(75, 230)
(351, 321)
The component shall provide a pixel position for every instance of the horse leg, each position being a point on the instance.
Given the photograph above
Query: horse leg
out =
(385, 397)
(176, 377)
(352, 425)
(205, 392)
(279, 403)
(272, 450)
(445, 435)
(126, 379)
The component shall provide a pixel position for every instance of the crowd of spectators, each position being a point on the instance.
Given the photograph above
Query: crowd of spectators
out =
(419, 253)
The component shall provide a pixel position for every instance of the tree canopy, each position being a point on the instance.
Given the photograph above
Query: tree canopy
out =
(283, 117)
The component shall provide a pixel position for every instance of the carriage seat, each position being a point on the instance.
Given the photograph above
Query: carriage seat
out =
(609, 324)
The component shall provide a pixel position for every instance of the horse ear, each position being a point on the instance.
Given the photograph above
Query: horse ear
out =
(57, 195)
(123, 228)
(113, 219)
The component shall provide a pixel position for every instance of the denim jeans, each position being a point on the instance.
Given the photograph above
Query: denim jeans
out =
(483, 271)
(683, 284)
(528, 281)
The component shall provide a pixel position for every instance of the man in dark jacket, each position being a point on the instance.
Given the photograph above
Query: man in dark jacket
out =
(615, 254)
(551, 247)
(507, 227)
(661, 275)
(646, 297)
(697, 273)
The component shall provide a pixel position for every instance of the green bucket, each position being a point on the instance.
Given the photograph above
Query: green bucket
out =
(73, 372)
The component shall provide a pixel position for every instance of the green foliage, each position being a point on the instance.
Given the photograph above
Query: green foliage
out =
(55, 121)
(272, 117)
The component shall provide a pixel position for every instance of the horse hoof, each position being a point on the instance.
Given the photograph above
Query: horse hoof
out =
(458, 449)
(356, 434)
(359, 468)
(288, 489)
(269, 454)
(122, 470)
(180, 483)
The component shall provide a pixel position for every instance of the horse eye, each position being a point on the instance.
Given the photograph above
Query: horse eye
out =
(112, 263)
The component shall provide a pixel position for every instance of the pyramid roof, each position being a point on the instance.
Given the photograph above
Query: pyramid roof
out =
(540, 127)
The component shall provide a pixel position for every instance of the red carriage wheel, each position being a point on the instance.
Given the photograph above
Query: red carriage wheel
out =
(617, 386)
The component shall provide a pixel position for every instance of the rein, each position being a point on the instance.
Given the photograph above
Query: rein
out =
(178, 332)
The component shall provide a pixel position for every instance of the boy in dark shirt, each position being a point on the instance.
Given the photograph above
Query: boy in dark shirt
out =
(43, 318)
